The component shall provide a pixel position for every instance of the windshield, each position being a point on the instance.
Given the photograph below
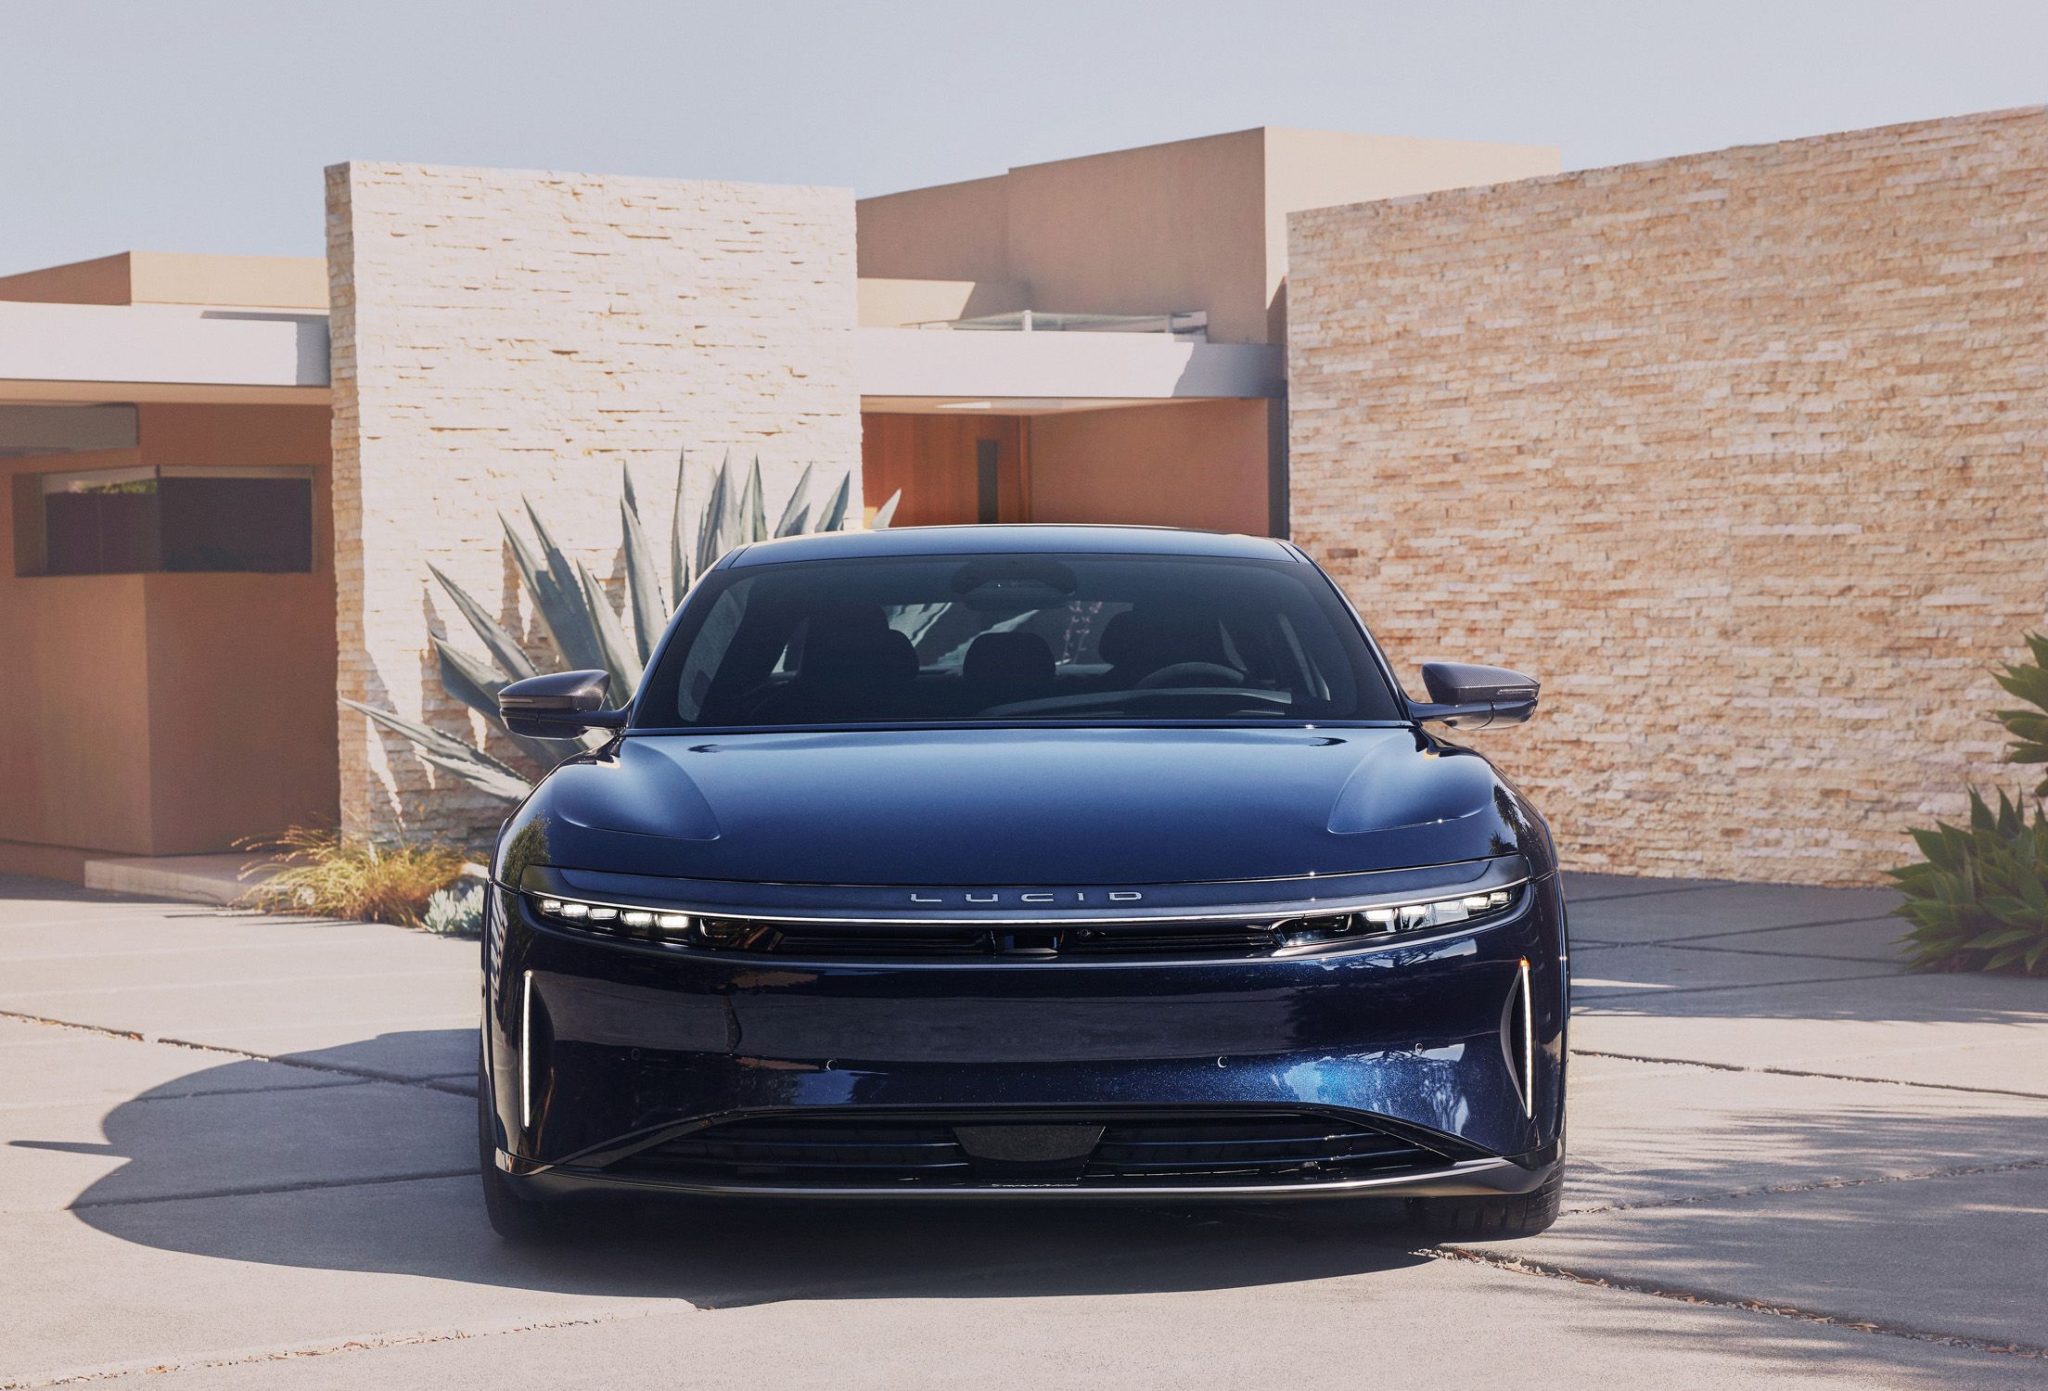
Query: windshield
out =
(1013, 639)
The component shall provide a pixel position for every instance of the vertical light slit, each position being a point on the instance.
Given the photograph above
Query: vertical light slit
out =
(1528, 1043)
(526, 1051)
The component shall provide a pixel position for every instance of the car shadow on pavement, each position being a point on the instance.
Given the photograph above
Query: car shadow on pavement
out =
(322, 1166)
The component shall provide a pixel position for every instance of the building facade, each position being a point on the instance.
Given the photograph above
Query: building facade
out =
(1742, 453)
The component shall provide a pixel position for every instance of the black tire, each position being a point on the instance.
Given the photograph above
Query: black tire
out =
(1490, 1219)
(514, 1216)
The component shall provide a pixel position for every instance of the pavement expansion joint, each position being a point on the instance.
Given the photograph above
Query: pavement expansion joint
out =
(366, 1074)
(257, 1190)
(1593, 1002)
(1819, 1185)
(1522, 1265)
(1807, 1072)
(290, 1354)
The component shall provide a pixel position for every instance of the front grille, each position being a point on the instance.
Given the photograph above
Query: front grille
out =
(1077, 1149)
(911, 942)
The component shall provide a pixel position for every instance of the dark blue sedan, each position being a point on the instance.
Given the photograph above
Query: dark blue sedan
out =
(1025, 863)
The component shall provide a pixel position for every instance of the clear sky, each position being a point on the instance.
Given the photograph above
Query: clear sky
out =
(203, 125)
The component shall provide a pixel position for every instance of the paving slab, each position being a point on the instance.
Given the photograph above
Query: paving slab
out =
(263, 957)
(170, 931)
(1600, 972)
(49, 1066)
(1962, 1255)
(1651, 1133)
(82, 1156)
(1864, 939)
(322, 1012)
(1441, 1324)
(1718, 909)
(1581, 887)
(1960, 1031)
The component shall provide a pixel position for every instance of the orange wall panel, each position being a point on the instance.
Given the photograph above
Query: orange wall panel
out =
(1199, 464)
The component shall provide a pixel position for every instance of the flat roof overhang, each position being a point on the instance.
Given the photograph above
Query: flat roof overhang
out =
(912, 369)
(85, 353)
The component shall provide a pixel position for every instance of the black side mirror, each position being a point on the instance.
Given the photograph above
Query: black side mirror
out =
(560, 705)
(1473, 697)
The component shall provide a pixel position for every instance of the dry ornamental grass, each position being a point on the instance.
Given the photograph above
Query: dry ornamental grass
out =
(328, 876)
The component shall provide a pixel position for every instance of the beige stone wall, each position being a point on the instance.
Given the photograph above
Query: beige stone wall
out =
(1741, 453)
(499, 335)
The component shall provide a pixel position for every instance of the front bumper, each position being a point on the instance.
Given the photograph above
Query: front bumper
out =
(599, 1055)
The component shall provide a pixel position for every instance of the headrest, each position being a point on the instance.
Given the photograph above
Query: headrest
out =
(856, 652)
(1008, 659)
(1143, 635)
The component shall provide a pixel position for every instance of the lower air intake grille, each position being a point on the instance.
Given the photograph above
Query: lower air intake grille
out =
(1078, 1149)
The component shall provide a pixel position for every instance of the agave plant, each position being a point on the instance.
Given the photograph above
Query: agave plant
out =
(587, 632)
(2028, 728)
(1979, 900)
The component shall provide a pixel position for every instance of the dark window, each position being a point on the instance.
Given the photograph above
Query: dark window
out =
(1014, 639)
(125, 521)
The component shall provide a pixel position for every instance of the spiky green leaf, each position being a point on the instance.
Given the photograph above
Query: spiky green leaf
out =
(753, 520)
(645, 602)
(513, 663)
(615, 649)
(678, 561)
(472, 765)
(791, 522)
(716, 528)
(557, 596)
(833, 518)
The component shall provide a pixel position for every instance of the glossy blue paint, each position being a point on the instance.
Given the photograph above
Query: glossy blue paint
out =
(1024, 806)
(627, 1043)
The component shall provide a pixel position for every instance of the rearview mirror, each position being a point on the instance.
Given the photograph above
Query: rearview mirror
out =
(559, 705)
(1464, 696)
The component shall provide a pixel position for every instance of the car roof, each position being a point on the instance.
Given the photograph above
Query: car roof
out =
(1012, 539)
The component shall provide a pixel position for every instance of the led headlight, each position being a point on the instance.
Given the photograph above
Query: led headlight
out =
(612, 918)
(1442, 912)
(1338, 929)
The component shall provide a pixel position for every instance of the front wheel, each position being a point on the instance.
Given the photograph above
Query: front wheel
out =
(513, 1216)
(1492, 1218)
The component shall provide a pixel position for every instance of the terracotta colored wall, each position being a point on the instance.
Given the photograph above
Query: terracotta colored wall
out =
(934, 460)
(1741, 453)
(169, 712)
(242, 667)
(1196, 464)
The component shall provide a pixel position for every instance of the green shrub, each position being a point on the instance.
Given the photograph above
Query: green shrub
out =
(1979, 900)
(328, 876)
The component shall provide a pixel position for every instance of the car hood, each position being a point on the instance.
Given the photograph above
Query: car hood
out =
(1021, 806)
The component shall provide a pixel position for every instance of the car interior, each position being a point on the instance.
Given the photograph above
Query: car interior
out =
(1015, 637)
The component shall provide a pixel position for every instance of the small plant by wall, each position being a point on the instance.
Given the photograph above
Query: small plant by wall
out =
(1977, 900)
(325, 875)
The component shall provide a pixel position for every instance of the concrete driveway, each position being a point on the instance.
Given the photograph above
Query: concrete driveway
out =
(238, 1153)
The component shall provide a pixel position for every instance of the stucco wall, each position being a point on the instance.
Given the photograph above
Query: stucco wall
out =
(499, 335)
(1742, 453)
(168, 713)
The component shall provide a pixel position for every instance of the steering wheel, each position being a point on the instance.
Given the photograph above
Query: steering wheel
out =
(1192, 674)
